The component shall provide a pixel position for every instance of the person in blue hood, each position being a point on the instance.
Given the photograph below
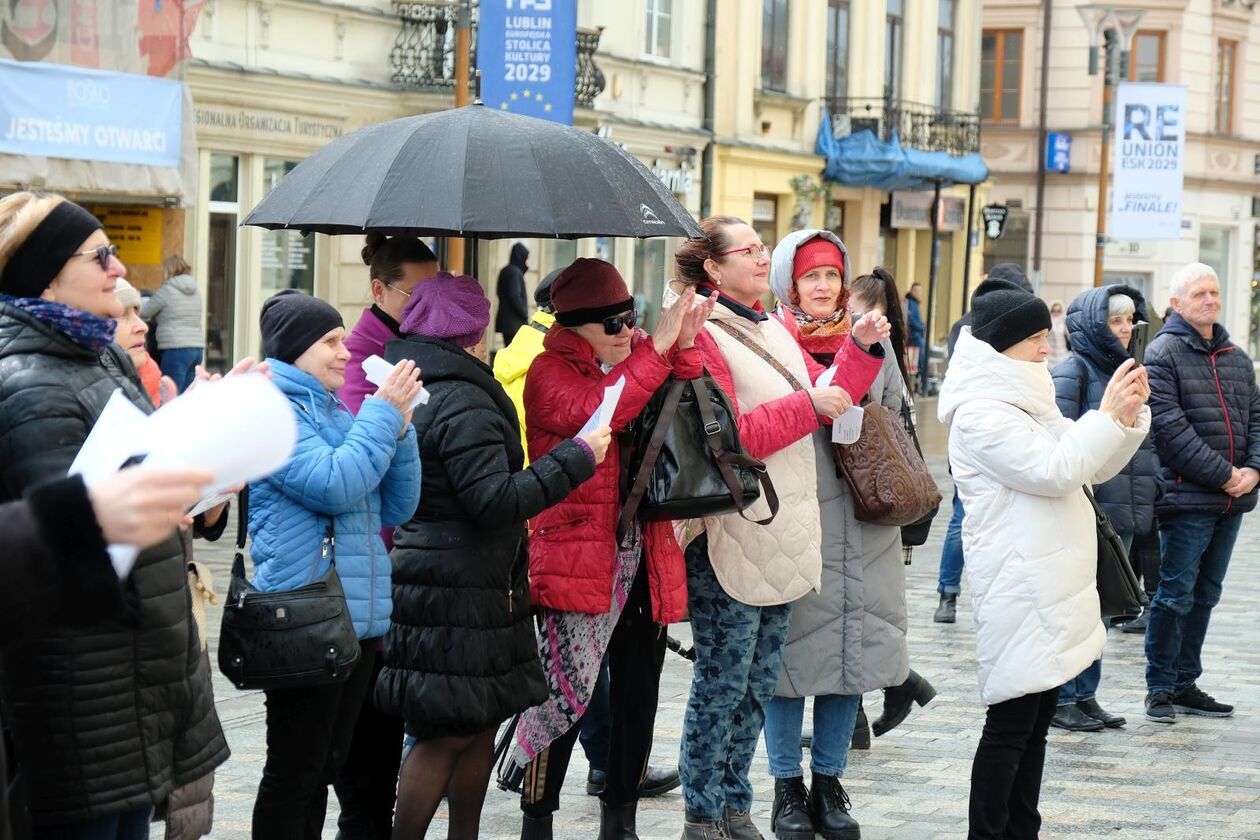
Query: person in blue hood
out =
(1100, 324)
(348, 476)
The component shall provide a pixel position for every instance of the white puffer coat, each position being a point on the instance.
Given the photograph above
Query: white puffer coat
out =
(1029, 532)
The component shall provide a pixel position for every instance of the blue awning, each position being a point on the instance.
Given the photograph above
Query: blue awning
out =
(863, 160)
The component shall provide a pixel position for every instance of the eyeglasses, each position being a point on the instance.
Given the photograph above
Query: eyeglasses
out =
(400, 291)
(102, 254)
(754, 251)
(613, 325)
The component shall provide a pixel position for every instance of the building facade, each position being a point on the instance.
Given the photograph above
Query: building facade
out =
(1206, 45)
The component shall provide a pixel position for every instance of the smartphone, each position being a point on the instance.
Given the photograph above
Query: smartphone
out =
(1137, 341)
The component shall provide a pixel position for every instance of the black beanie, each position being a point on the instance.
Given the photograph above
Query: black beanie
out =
(292, 321)
(1012, 273)
(1003, 314)
(542, 294)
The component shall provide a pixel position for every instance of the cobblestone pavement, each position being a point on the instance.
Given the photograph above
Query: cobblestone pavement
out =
(1197, 779)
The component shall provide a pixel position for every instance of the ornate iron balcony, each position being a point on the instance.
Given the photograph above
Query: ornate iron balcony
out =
(424, 51)
(919, 126)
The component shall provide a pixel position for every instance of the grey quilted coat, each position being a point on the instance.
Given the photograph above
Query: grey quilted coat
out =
(176, 309)
(850, 638)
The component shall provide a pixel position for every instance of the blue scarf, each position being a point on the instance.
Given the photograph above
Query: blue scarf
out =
(85, 329)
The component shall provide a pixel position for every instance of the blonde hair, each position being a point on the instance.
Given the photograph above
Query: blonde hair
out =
(175, 265)
(20, 214)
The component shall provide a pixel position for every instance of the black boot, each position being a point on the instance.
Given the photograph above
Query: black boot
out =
(536, 828)
(861, 739)
(830, 806)
(898, 701)
(616, 822)
(1073, 719)
(947, 611)
(791, 819)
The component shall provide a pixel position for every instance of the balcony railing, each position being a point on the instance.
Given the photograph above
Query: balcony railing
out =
(424, 51)
(922, 127)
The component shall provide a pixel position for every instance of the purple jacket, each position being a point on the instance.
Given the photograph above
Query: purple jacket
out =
(368, 338)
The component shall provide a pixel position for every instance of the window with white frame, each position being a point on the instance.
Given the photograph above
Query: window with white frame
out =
(657, 32)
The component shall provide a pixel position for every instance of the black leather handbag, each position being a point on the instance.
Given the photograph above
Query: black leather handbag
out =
(688, 460)
(292, 639)
(1119, 594)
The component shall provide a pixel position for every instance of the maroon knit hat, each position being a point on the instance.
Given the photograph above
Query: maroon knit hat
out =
(448, 307)
(588, 291)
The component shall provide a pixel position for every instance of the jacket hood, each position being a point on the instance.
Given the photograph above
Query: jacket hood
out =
(785, 253)
(183, 283)
(1180, 327)
(513, 361)
(520, 254)
(1087, 326)
(978, 372)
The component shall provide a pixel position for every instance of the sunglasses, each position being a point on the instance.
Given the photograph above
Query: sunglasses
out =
(102, 254)
(613, 325)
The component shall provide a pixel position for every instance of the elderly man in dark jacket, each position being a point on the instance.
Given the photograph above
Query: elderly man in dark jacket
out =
(1206, 423)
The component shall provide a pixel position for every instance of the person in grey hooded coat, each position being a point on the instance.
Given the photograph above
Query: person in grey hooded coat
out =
(176, 309)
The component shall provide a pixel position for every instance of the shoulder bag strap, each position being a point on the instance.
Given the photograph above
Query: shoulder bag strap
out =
(726, 459)
(744, 339)
(639, 487)
(242, 524)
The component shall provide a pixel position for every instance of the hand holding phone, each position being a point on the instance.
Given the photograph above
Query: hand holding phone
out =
(1138, 340)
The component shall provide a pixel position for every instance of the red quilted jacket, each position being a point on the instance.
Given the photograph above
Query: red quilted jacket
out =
(573, 546)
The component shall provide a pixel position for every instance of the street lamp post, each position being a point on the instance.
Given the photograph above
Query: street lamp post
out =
(1114, 27)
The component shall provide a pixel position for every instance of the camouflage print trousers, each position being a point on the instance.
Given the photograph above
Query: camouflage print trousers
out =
(739, 650)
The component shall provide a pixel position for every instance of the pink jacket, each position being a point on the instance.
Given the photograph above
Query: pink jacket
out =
(368, 338)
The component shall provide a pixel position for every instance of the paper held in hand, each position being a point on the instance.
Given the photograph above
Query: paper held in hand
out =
(240, 428)
(846, 428)
(603, 416)
(377, 370)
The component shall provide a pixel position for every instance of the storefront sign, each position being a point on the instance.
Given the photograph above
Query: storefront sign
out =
(994, 217)
(57, 111)
(1058, 152)
(135, 229)
(677, 181)
(913, 211)
(1150, 162)
(527, 53)
(239, 121)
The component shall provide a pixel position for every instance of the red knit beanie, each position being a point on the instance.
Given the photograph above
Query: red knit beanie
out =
(814, 253)
(588, 291)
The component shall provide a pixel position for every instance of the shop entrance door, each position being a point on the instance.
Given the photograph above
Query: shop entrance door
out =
(221, 293)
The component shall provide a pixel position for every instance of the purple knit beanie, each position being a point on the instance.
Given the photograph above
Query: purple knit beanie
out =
(448, 307)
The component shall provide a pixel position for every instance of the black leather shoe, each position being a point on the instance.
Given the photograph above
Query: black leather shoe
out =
(535, 828)
(898, 701)
(861, 739)
(791, 818)
(616, 822)
(1092, 709)
(1137, 626)
(1073, 719)
(830, 806)
(656, 782)
(947, 611)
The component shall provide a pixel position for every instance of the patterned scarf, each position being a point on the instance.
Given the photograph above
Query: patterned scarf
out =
(837, 323)
(85, 329)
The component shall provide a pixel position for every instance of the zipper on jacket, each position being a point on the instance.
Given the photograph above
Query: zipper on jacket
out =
(371, 579)
(1229, 427)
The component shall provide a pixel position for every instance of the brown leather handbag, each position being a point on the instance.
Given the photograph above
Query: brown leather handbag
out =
(891, 483)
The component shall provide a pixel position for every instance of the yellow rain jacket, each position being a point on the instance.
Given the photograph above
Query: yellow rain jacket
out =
(512, 363)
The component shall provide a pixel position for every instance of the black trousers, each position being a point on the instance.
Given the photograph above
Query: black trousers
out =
(1006, 774)
(596, 725)
(309, 732)
(367, 784)
(1145, 557)
(635, 654)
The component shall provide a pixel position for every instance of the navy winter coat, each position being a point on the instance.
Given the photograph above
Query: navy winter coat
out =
(1205, 417)
(1079, 381)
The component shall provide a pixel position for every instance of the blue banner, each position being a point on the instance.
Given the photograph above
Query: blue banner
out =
(527, 54)
(1058, 152)
(57, 111)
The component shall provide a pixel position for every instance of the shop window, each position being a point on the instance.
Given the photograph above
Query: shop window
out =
(221, 265)
(657, 33)
(945, 55)
(838, 48)
(650, 278)
(1012, 247)
(1226, 68)
(894, 34)
(557, 253)
(1146, 59)
(1001, 60)
(774, 44)
(765, 218)
(224, 177)
(288, 257)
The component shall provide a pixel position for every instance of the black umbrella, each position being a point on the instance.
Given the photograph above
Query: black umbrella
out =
(474, 171)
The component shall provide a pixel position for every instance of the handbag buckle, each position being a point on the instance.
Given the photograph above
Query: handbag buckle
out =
(712, 428)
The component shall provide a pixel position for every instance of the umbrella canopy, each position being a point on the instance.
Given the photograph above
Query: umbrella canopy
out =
(474, 171)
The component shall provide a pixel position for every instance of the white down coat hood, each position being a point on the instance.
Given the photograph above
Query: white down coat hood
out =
(1029, 534)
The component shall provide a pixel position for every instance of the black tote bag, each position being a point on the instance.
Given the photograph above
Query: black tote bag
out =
(1120, 596)
(292, 639)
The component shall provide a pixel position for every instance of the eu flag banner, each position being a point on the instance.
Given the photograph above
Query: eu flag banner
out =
(527, 54)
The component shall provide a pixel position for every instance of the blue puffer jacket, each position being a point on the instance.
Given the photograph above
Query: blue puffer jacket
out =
(352, 473)
(1079, 381)
(1205, 417)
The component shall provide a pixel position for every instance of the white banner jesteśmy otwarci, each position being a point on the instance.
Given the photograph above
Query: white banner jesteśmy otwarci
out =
(1150, 144)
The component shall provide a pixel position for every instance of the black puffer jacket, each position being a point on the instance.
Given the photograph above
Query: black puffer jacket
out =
(1079, 381)
(461, 654)
(107, 716)
(1205, 417)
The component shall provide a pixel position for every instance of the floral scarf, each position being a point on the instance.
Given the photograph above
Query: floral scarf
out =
(85, 329)
(837, 323)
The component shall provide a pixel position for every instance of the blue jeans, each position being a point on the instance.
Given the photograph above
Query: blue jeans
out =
(1085, 685)
(739, 649)
(952, 552)
(132, 825)
(1196, 548)
(180, 364)
(834, 716)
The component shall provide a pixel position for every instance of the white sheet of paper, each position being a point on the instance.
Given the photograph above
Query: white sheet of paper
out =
(117, 436)
(847, 428)
(377, 370)
(826, 377)
(213, 500)
(603, 415)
